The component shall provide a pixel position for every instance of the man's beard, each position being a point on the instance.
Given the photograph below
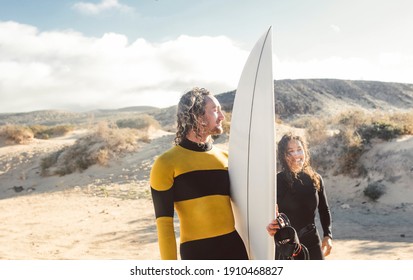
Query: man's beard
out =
(217, 130)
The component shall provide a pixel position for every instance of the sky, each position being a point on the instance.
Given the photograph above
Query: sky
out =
(107, 54)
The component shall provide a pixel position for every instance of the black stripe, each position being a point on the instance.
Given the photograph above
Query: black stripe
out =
(163, 203)
(201, 183)
(197, 147)
(224, 247)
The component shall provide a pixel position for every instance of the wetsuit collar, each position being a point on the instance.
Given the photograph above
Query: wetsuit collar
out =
(188, 144)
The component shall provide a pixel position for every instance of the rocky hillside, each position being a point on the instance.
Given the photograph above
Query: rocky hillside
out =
(292, 98)
(326, 96)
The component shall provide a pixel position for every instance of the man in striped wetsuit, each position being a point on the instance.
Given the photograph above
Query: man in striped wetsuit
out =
(192, 178)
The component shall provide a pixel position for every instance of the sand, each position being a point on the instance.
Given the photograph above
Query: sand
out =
(106, 212)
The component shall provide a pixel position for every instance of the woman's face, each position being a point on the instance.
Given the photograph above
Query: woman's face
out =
(295, 156)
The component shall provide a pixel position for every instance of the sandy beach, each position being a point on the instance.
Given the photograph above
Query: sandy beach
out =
(106, 212)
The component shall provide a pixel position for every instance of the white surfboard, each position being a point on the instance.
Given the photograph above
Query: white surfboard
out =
(251, 161)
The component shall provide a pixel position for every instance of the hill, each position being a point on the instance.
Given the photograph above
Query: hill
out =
(55, 117)
(329, 96)
(293, 99)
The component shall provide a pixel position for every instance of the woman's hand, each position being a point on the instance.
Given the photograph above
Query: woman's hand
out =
(273, 227)
(326, 245)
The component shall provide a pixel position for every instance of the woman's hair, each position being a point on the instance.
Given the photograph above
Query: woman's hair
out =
(282, 154)
(191, 106)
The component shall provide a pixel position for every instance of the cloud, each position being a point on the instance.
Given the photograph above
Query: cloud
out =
(105, 5)
(335, 28)
(387, 67)
(67, 70)
(341, 68)
(389, 59)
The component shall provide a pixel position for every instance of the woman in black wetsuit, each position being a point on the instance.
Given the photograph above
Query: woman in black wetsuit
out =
(300, 192)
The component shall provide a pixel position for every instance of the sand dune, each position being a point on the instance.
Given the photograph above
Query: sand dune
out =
(107, 213)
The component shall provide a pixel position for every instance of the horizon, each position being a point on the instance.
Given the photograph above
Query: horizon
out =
(91, 110)
(78, 56)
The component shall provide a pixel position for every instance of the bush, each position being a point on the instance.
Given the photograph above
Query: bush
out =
(353, 131)
(45, 132)
(140, 122)
(315, 131)
(405, 121)
(381, 130)
(99, 147)
(350, 148)
(16, 134)
(226, 124)
(352, 119)
(375, 190)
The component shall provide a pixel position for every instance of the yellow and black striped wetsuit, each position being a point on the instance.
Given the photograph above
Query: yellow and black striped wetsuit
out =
(194, 180)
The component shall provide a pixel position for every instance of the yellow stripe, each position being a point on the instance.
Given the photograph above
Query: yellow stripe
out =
(214, 159)
(179, 160)
(166, 238)
(205, 217)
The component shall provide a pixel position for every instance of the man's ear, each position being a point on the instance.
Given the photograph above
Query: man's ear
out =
(201, 121)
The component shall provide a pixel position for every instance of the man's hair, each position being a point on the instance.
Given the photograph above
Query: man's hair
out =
(191, 106)
(282, 153)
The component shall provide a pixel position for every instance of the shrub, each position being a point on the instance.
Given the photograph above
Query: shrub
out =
(350, 149)
(349, 136)
(405, 121)
(381, 130)
(356, 129)
(374, 190)
(226, 124)
(352, 119)
(105, 143)
(46, 132)
(16, 134)
(340, 151)
(140, 122)
(315, 131)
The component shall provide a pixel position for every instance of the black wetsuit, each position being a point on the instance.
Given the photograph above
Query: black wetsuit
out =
(194, 181)
(300, 202)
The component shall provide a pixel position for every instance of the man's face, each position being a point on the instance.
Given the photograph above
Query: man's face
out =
(213, 117)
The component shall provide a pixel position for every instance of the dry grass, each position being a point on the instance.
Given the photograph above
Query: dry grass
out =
(106, 143)
(226, 124)
(316, 129)
(141, 122)
(16, 134)
(339, 141)
(46, 132)
(19, 134)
